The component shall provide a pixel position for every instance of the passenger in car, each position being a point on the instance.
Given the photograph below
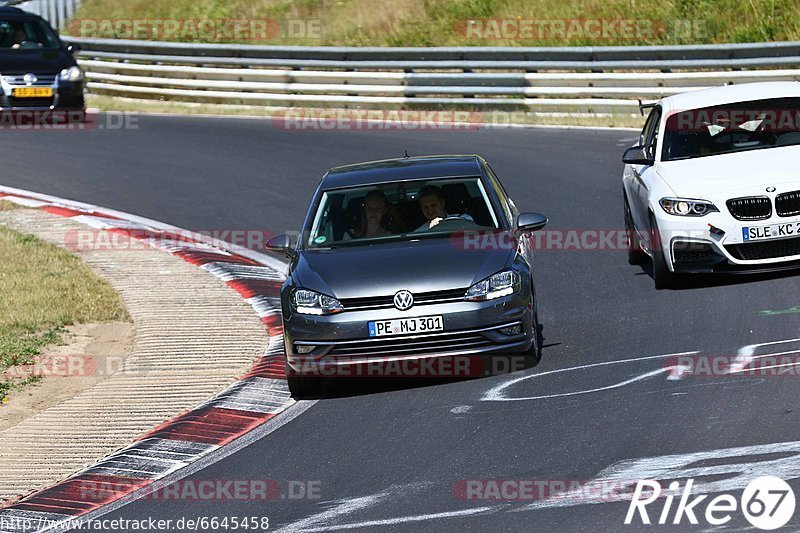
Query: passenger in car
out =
(432, 202)
(373, 222)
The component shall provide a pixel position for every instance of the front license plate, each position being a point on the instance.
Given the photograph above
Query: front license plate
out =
(774, 231)
(32, 92)
(422, 324)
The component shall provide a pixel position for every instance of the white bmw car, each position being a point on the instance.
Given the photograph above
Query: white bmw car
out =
(713, 184)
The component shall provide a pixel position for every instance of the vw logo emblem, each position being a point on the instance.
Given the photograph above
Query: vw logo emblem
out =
(770, 189)
(30, 79)
(403, 300)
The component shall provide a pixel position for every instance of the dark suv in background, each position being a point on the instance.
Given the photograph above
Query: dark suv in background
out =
(37, 70)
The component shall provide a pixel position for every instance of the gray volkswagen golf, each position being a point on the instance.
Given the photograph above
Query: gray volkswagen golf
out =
(406, 260)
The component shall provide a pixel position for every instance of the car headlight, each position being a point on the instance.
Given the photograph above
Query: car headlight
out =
(687, 208)
(71, 74)
(313, 303)
(496, 286)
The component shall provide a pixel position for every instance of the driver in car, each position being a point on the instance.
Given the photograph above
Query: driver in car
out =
(432, 202)
(21, 40)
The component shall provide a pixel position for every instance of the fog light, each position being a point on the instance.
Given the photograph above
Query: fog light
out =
(304, 349)
(511, 330)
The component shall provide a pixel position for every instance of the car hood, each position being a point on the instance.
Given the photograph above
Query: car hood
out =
(36, 61)
(383, 269)
(741, 173)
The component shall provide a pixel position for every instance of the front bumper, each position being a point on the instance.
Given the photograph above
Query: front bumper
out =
(469, 328)
(715, 244)
(67, 96)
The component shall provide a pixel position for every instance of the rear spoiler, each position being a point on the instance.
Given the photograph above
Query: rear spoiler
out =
(643, 106)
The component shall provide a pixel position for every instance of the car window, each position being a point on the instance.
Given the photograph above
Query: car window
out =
(651, 130)
(508, 210)
(736, 127)
(400, 210)
(26, 34)
(648, 125)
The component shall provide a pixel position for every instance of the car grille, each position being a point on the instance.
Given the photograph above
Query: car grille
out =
(43, 80)
(788, 204)
(750, 208)
(753, 251)
(378, 302)
(424, 345)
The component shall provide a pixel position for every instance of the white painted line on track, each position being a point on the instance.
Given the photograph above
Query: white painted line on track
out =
(346, 507)
(745, 463)
(497, 393)
(731, 470)
(412, 518)
(746, 354)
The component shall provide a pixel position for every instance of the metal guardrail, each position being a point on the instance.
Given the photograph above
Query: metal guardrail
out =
(579, 79)
(57, 12)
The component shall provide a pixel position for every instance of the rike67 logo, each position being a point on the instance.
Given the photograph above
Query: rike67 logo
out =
(767, 503)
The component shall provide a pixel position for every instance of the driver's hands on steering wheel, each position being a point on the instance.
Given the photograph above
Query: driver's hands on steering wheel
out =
(434, 222)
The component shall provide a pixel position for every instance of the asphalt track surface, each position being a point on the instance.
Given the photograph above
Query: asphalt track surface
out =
(392, 454)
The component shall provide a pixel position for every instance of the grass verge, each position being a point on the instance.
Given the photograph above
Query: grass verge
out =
(443, 22)
(43, 289)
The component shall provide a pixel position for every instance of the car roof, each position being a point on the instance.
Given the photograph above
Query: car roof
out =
(404, 168)
(14, 11)
(729, 94)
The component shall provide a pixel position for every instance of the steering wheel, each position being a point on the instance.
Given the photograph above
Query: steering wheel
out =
(448, 222)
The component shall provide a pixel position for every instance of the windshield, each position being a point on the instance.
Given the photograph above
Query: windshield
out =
(730, 128)
(26, 34)
(403, 210)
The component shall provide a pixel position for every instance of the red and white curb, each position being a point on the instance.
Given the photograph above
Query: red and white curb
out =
(256, 398)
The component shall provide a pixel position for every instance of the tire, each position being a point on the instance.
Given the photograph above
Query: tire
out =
(303, 386)
(535, 352)
(635, 254)
(663, 278)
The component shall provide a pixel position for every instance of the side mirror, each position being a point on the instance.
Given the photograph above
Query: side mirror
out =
(531, 221)
(281, 243)
(637, 156)
(73, 48)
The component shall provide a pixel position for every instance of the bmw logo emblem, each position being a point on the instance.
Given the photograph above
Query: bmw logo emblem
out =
(770, 189)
